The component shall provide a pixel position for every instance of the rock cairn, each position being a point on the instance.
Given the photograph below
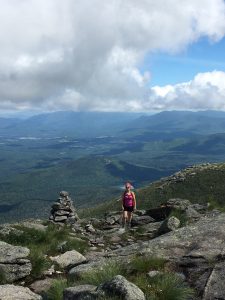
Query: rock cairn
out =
(63, 211)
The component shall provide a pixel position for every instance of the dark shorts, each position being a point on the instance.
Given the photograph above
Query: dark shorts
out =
(128, 208)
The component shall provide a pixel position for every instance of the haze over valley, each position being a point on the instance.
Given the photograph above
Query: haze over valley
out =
(92, 154)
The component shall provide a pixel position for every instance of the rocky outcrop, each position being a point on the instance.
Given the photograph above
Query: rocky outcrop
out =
(11, 292)
(198, 250)
(14, 262)
(63, 211)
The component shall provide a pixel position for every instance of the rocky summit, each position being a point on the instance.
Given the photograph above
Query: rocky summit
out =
(173, 251)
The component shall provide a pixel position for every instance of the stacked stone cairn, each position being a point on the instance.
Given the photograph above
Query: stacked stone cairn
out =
(63, 211)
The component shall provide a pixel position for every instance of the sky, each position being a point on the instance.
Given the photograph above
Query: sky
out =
(118, 55)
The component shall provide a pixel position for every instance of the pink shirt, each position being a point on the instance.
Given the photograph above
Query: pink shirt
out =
(128, 199)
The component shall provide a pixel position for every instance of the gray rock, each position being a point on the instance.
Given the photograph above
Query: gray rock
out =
(79, 270)
(41, 286)
(120, 286)
(169, 224)
(15, 271)
(89, 228)
(71, 220)
(62, 213)
(177, 203)
(80, 292)
(60, 218)
(12, 254)
(141, 220)
(215, 287)
(11, 292)
(13, 262)
(152, 274)
(64, 194)
(69, 259)
(140, 212)
(192, 214)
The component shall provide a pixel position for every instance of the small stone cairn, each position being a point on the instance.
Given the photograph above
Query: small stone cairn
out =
(63, 211)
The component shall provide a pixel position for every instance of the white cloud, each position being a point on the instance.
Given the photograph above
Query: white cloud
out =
(85, 54)
(206, 90)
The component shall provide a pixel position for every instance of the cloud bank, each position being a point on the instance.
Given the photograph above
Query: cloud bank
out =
(206, 90)
(84, 55)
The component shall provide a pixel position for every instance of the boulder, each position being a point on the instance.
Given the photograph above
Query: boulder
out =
(141, 220)
(41, 286)
(191, 214)
(177, 203)
(81, 292)
(13, 262)
(169, 224)
(10, 292)
(69, 259)
(215, 287)
(79, 270)
(120, 286)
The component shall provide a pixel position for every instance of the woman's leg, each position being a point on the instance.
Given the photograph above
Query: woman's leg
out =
(124, 221)
(129, 218)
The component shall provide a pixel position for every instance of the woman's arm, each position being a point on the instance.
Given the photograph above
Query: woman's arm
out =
(122, 200)
(135, 207)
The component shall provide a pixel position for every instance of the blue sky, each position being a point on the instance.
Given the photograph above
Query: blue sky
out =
(201, 56)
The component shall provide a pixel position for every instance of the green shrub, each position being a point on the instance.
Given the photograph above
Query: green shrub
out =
(214, 204)
(104, 273)
(180, 215)
(56, 290)
(164, 287)
(145, 264)
(38, 261)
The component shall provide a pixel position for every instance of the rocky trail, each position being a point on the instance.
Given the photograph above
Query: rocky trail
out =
(188, 237)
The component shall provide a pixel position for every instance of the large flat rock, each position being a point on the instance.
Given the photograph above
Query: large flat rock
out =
(12, 254)
(205, 238)
(10, 292)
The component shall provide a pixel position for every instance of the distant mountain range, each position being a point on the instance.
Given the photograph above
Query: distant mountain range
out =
(67, 123)
(92, 124)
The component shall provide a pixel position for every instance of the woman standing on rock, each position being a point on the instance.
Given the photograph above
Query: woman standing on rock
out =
(128, 204)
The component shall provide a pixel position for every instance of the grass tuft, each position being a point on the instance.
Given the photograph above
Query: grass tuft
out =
(104, 273)
(56, 290)
(164, 287)
(180, 215)
(145, 264)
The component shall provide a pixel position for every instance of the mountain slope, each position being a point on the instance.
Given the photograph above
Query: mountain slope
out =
(90, 180)
(200, 184)
(183, 122)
